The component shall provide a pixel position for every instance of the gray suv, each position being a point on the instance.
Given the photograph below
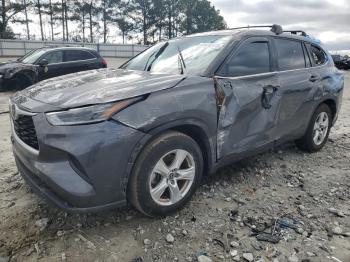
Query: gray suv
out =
(148, 132)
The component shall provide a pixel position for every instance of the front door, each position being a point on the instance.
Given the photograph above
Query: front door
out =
(248, 98)
(54, 67)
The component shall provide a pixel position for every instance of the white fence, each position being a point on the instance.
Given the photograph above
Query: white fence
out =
(21, 47)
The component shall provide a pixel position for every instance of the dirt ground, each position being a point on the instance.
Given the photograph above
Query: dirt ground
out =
(303, 199)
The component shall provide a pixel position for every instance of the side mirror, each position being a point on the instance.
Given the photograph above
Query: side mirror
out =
(43, 62)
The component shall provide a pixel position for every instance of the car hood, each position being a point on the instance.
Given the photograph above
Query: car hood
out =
(98, 86)
(11, 67)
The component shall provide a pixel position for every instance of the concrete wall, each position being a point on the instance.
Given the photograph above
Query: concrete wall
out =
(16, 48)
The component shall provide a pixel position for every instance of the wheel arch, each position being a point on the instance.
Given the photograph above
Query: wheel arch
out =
(30, 75)
(332, 105)
(193, 128)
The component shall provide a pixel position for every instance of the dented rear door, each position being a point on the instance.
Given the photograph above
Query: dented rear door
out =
(248, 98)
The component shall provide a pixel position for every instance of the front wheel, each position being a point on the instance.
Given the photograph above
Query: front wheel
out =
(166, 174)
(317, 133)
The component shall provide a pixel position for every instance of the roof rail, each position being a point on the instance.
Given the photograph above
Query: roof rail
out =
(277, 29)
(296, 32)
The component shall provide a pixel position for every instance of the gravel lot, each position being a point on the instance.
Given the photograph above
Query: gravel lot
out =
(302, 198)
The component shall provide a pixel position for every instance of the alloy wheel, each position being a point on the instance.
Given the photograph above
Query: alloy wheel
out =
(172, 177)
(320, 128)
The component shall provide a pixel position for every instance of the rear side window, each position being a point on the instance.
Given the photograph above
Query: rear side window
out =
(318, 56)
(290, 54)
(76, 55)
(251, 58)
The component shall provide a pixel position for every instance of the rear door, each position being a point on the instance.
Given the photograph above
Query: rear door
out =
(248, 98)
(296, 81)
(79, 60)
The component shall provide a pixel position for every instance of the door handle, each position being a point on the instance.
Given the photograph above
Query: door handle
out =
(314, 78)
(270, 89)
(267, 95)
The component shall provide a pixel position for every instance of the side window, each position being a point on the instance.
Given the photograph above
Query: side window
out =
(318, 56)
(290, 54)
(54, 57)
(76, 55)
(251, 58)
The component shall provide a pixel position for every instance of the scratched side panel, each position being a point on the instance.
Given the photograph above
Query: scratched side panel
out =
(192, 101)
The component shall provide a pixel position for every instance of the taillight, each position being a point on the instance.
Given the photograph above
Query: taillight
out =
(104, 62)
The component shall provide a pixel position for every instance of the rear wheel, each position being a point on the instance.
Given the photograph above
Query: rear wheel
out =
(318, 130)
(166, 174)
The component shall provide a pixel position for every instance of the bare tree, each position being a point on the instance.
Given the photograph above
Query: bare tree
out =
(51, 19)
(39, 10)
(25, 5)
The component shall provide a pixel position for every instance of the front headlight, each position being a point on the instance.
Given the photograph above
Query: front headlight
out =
(88, 114)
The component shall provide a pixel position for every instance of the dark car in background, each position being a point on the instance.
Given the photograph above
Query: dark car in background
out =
(149, 131)
(47, 62)
(341, 62)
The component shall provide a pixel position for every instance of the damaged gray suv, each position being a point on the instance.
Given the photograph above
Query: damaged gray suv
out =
(147, 133)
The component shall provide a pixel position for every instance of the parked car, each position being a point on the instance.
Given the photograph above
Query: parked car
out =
(341, 62)
(48, 62)
(149, 131)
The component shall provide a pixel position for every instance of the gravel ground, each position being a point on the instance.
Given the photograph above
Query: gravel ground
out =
(301, 202)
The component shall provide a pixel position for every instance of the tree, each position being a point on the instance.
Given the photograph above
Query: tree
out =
(124, 26)
(80, 11)
(122, 19)
(26, 5)
(39, 11)
(92, 12)
(201, 16)
(142, 12)
(9, 10)
(160, 16)
(50, 13)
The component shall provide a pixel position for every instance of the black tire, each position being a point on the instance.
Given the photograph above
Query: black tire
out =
(138, 191)
(19, 82)
(306, 143)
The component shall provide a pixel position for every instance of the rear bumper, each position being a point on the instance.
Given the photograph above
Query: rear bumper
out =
(78, 168)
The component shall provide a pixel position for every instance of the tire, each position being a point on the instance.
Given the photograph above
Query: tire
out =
(145, 179)
(19, 82)
(307, 142)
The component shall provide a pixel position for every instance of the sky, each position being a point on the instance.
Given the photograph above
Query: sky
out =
(326, 20)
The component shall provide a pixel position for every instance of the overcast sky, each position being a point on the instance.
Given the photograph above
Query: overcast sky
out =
(327, 20)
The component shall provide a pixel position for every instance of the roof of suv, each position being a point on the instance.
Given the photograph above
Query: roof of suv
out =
(67, 48)
(255, 32)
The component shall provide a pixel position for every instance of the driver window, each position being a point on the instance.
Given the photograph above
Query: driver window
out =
(251, 58)
(54, 57)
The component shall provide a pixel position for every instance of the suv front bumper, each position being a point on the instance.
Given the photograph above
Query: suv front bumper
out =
(78, 168)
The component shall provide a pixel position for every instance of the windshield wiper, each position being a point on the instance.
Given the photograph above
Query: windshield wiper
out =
(160, 51)
(181, 61)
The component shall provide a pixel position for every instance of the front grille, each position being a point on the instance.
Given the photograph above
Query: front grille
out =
(25, 130)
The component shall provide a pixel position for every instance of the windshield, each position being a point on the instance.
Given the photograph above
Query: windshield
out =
(32, 56)
(194, 53)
